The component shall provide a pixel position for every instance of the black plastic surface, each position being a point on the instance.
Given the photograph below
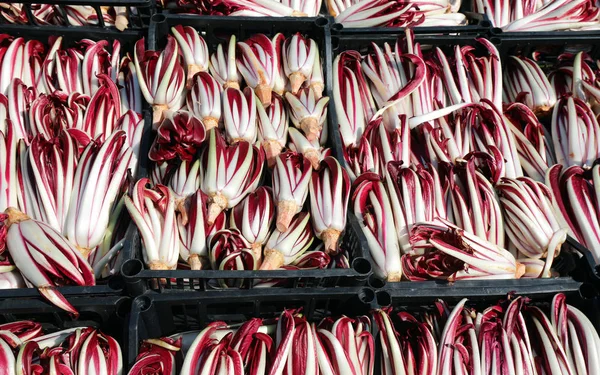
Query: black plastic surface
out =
(567, 34)
(551, 45)
(71, 35)
(107, 313)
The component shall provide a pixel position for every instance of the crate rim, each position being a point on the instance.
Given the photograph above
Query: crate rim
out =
(80, 32)
(567, 35)
(133, 269)
(137, 276)
(488, 285)
(155, 303)
(321, 20)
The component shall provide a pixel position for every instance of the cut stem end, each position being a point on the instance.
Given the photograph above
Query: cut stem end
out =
(314, 157)
(158, 266)
(311, 128)
(520, 270)
(394, 277)
(264, 93)
(317, 88)
(121, 22)
(273, 260)
(232, 84)
(210, 122)
(194, 262)
(257, 252)
(15, 216)
(286, 210)
(272, 150)
(157, 114)
(192, 70)
(331, 237)
(217, 204)
(296, 81)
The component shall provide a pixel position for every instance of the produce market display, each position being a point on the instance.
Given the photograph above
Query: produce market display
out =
(454, 176)
(510, 16)
(25, 349)
(512, 336)
(75, 15)
(552, 15)
(241, 177)
(296, 187)
(71, 128)
(383, 13)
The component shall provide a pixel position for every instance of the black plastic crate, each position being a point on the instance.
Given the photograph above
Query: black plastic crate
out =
(581, 295)
(362, 43)
(551, 35)
(171, 7)
(157, 315)
(113, 285)
(139, 13)
(107, 313)
(72, 35)
(216, 30)
(575, 260)
(550, 44)
(572, 264)
(477, 23)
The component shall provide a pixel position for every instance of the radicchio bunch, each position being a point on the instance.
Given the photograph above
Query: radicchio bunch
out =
(298, 59)
(254, 217)
(229, 172)
(531, 223)
(204, 99)
(373, 210)
(161, 77)
(153, 212)
(194, 50)
(329, 194)
(444, 251)
(291, 179)
(283, 248)
(258, 62)
(44, 257)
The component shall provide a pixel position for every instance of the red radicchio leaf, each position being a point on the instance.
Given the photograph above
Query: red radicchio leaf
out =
(178, 136)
